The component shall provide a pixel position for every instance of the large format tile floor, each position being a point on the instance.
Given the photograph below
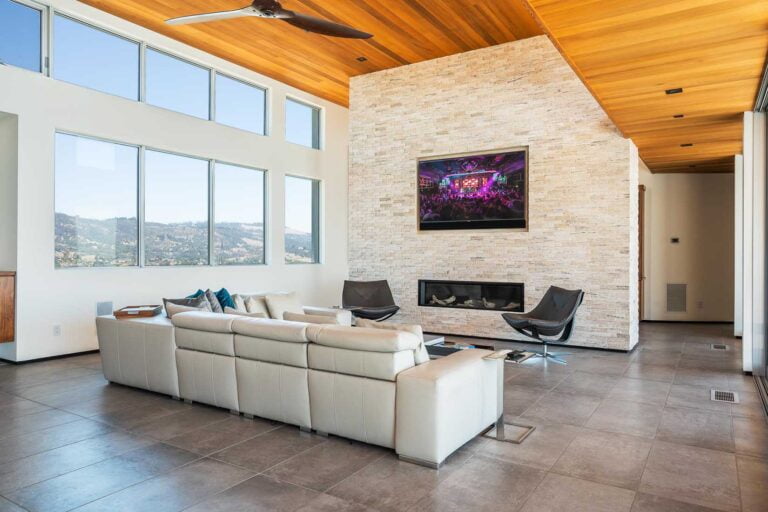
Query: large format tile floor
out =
(615, 432)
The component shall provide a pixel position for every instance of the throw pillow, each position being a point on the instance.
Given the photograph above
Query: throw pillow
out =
(197, 294)
(309, 319)
(282, 302)
(256, 305)
(173, 306)
(239, 302)
(232, 311)
(225, 299)
(215, 304)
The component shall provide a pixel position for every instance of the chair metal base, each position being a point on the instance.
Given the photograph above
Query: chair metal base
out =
(551, 356)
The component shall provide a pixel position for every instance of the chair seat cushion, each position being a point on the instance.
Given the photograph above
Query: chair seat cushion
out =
(373, 313)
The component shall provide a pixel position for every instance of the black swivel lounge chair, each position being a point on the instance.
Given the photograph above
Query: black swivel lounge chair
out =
(552, 316)
(371, 300)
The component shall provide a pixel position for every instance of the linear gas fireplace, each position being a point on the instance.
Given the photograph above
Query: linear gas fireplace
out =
(472, 295)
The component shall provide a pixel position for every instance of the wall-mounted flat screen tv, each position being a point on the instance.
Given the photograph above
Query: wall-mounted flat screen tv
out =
(479, 191)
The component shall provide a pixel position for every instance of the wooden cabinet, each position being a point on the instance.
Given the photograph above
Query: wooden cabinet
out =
(7, 306)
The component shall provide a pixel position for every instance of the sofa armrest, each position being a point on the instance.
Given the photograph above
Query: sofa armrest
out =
(342, 316)
(443, 404)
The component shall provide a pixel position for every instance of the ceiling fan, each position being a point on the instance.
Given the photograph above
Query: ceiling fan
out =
(272, 9)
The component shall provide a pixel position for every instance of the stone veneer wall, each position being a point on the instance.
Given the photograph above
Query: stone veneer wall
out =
(582, 188)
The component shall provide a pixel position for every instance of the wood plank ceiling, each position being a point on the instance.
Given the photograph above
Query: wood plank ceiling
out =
(628, 52)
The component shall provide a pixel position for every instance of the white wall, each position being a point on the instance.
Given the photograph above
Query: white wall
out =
(67, 297)
(697, 209)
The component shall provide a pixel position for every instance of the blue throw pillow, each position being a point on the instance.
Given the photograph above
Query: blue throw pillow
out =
(195, 295)
(225, 299)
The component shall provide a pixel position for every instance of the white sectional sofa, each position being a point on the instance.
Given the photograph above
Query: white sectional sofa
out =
(372, 385)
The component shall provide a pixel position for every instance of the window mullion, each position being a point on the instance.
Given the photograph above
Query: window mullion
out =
(143, 72)
(211, 211)
(141, 196)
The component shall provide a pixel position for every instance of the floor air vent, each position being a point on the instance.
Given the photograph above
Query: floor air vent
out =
(725, 396)
(718, 346)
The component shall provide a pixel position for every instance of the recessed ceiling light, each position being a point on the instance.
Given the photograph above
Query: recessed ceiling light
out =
(686, 145)
(678, 116)
(362, 59)
(677, 90)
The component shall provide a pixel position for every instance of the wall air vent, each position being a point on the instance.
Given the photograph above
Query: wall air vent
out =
(676, 90)
(677, 298)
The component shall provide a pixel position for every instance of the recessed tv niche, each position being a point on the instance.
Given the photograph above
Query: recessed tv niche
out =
(475, 191)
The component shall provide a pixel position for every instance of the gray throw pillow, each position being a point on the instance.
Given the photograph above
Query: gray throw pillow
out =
(199, 303)
(215, 305)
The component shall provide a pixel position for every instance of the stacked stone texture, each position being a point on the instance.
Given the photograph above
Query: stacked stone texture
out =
(582, 188)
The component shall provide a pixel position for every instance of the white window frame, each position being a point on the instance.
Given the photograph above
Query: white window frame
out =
(139, 198)
(208, 69)
(215, 75)
(45, 23)
(141, 203)
(318, 138)
(212, 215)
(317, 218)
(52, 59)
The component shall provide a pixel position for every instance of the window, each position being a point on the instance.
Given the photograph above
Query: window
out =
(302, 124)
(177, 85)
(96, 203)
(239, 104)
(88, 56)
(302, 220)
(21, 35)
(175, 209)
(239, 229)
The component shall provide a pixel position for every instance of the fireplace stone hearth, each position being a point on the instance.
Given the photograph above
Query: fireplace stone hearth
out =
(489, 296)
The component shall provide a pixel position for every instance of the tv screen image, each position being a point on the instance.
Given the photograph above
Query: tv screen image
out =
(474, 192)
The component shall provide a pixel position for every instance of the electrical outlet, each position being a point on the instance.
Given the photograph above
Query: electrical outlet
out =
(57, 330)
(700, 304)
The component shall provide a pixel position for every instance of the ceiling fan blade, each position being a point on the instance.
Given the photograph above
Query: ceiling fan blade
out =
(211, 16)
(325, 27)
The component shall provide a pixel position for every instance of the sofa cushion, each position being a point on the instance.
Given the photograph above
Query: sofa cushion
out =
(231, 311)
(204, 321)
(372, 365)
(421, 355)
(256, 304)
(361, 338)
(310, 319)
(271, 351)
(280, 303)
(239, 301)
(268, 329)
(173, 306)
